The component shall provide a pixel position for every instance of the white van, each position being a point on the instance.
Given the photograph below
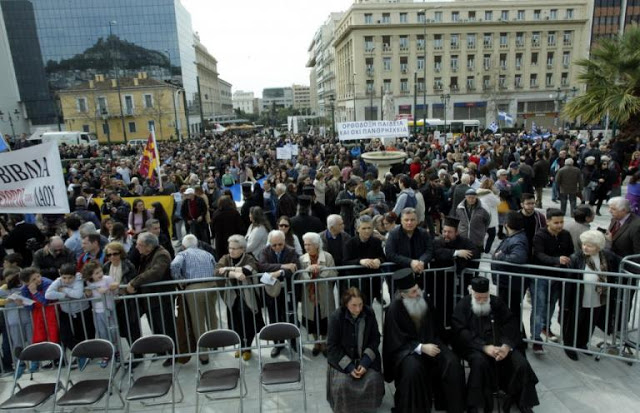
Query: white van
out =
(70, 138)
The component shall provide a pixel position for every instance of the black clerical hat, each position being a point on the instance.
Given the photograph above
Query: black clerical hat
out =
(480, 284)
(404, 279)
(304, 200)
(451, 222)
(309, 190)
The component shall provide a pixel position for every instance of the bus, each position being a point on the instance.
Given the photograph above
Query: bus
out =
(455, 127)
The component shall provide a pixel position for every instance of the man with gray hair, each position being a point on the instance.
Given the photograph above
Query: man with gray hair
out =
(196, 266)
(286, 204)
(569, 181)
(155, 266)
(51, 257)
(280, 261)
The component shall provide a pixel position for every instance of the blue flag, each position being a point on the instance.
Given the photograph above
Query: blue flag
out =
(4, 146)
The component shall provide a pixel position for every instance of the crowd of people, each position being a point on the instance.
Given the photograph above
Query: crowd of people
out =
(325, 208)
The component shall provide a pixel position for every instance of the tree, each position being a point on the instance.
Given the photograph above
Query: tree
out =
(612, 77)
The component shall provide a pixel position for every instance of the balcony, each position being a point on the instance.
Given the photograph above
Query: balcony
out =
(567, 43)
(535, 43)
(533, 85)
(564, 82)
(129, 112)
(487, 45)
(455, 46)
(455, 88)
(503, 66)
(404, 91)
(369, 50)
(404, 69)
(487, 67)
(520, 44)
(518, 66)
(386, 48)
(471, 87)
(471, 67)
(471, 46)
(454, 68)
(518, 85)
(504, 45)
(551, 43)
(436, 69)
(437, 87)
(370, 72)
(437, 47)
(549, 65)
(486, 87)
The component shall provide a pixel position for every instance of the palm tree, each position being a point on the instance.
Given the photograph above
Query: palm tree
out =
(612, 78)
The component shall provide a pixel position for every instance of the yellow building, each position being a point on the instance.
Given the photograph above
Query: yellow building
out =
(93, 107)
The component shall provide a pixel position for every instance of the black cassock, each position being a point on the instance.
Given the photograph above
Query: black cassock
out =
(514, 374)
(420, 380)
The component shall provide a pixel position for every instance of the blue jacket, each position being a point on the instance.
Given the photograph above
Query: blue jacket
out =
(512, 253)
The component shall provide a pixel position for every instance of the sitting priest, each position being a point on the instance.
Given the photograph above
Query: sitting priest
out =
(486, 335)
(425, 370)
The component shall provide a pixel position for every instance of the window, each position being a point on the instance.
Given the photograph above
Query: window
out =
(102, 105)
(81, 104)
(151, 124)
(471, 41)
(566, 59)
(564, 79)
(369, 65)
(503, 61)
(553, 14)
(404, 42)
(504, 39)
(534, 59)
(437, 63)
(453, 82)
(420, 84)
(132, 127)
(486, 61)
(404, 65)
(520, 39)
(421, 17)
(551, 39)
(420, 63)
(387, 85)
(569, 14)
(386, 43)
(420, 41)
(455, 16)
(368, 43)
(533, 80)
(368, 18)
(487, 40)
(105, 128)
(455, 41)
(502, 81)
(437, 41)
(148, 101)
(403, 18)
(504, 15)
(85, 128)
(404, 85)
(386, 63)
(566, 37)
(437, 83)
(549, 60)
(518, 61)
(369, 86)
(520, 15)
(471, 62)
(437, 16)
(486, 82)
(518, 81)
(535, 39)
(548, 80)
(472, 16)
(454, 62)
(488, 15)
(386, 18)
(128, 105)
(471, 83)
(536, 15)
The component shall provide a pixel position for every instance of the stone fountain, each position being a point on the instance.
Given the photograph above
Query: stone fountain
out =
(384, 159)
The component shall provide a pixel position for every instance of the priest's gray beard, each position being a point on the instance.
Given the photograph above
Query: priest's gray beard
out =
(480, 309)
(417, 308)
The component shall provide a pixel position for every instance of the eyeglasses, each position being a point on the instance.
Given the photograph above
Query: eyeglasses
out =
(113, 254)
(283, 226)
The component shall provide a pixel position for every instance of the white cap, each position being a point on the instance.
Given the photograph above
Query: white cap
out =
(502, 172)
(190, 191)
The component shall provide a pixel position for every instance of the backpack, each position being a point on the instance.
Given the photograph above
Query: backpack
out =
(410, 201)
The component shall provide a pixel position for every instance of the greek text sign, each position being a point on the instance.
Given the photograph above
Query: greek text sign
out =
(373, 129)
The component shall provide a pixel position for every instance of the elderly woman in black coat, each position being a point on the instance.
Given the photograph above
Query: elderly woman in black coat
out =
(354, 382)
(585, 303)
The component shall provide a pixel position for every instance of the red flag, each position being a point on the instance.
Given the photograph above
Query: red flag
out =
(149, 161)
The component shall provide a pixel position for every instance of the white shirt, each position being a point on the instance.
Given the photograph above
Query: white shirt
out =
(590, 298)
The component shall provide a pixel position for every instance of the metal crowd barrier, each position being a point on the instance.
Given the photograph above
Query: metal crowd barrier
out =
(578, 311)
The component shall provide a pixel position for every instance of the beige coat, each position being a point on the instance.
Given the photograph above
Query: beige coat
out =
(249, 294)
(324, 290)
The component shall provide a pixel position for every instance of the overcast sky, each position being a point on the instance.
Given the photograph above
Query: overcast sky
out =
(260, 43)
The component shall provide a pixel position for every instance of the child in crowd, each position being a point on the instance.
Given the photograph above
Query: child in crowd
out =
(75, 317)
(101, 287)
(18, 328)
(43, 315)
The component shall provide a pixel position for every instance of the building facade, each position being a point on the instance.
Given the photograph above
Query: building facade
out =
(60, 44)
(461, 59)
(276, 98)
(93, 107)
(322, 64)
(611, 17)
(243, 101)
(207, 68)
(226, 98)
(301, 97)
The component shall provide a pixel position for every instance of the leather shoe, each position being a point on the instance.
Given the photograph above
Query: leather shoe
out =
(275, 352)
(315, 351)
(166, 363)
(571, 354)
(525, 409)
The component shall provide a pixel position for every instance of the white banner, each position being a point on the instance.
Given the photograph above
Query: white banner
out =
(373, 129)
(31, 181)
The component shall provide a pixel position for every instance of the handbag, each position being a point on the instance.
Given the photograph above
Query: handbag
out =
(503, 207)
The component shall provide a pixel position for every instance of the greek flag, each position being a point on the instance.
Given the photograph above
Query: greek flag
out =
(534, 128)
(493, 127)
(504, 116)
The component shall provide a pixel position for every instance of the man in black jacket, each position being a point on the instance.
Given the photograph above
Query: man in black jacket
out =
(194, 212)
(117, 208)
(540, 176)
(51, 257)
(21, 237)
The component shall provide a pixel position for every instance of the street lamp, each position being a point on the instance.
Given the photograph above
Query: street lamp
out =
(105, 127)
(424, 59)
(444, 98)
(173, 98)
(332, 102)
(113, 61)
(17, 115)
(354, 97)
(415, 102)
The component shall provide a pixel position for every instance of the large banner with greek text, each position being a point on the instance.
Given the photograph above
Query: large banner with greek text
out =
(31, 181)
(373, 129)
